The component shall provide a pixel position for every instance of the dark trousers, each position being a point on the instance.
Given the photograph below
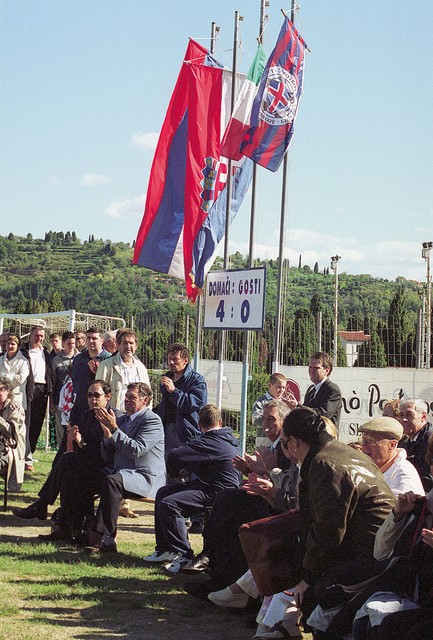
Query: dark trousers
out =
(403, 625)
(172, 504)
(51, 487)
(232, 507)
(38, 408)
(112, 491)
(80, 482)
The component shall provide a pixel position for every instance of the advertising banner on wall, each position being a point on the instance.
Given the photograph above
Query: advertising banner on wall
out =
(364, 390)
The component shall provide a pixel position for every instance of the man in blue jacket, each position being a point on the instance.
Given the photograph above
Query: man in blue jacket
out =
(208, 463)
(183, 393)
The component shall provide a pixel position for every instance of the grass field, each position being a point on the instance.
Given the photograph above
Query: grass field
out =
(56, 591)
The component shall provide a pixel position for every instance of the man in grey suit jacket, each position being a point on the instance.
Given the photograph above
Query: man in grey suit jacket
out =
(134, 447)
(323, 395)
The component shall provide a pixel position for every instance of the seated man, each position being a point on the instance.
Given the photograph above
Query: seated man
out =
(222, 552)
(380, 438)
(413, 417)
(208, 459)
(87, 436)
(134, 448)
(120, 370)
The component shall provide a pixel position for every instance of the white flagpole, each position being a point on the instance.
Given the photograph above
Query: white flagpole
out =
(247, 334)
(283, 219)
(223, 335)
(199, 306)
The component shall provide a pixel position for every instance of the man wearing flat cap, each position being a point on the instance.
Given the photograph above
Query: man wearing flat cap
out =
(379, 441)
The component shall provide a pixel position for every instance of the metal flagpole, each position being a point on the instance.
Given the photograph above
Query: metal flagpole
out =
(223, 335)
(283, 217)
(199, 306)
(247, 334)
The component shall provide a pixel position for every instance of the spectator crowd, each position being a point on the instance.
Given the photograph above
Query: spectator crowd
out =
(311, 533)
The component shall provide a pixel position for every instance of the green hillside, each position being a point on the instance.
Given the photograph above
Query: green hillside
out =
(97, 276)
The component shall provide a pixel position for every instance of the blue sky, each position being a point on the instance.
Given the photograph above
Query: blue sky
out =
(85, 84)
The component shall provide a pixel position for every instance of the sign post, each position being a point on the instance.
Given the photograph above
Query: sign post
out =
(235, 299)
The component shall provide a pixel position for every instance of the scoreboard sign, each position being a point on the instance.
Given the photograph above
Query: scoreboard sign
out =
(235, 299)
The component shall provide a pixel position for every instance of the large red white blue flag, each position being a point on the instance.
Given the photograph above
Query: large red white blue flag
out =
(277, 100)
(188, 173)
(212, 230)
(159, 240)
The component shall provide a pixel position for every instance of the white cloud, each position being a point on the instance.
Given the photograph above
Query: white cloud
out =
(131, 208)
(93, 179)
(145, 141)
(384, 259)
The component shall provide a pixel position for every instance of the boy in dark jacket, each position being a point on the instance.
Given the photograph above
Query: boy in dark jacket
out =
(207, 463)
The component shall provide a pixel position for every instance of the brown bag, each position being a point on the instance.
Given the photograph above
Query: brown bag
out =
(273, 551)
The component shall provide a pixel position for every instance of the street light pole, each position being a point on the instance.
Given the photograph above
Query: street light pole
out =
(426, 254)
(334, 267)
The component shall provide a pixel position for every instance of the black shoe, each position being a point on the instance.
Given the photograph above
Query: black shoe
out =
(198, 564)
(102, 548)
(200, 589)
(60, 535)
(37, 510)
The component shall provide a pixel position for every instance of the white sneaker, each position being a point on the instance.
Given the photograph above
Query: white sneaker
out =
(161, 556)
(177, 563)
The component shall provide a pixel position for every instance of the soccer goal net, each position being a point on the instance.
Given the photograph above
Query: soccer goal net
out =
(57, 322)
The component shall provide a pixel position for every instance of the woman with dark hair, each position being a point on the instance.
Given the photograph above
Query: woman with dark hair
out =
(343, 500)
(12, 433)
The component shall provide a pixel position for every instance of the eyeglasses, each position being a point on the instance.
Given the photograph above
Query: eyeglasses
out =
(95, 394)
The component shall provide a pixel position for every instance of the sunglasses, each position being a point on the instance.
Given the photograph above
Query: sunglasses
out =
(95, 394)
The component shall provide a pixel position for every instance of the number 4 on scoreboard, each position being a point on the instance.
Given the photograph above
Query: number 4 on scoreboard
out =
(220, 313)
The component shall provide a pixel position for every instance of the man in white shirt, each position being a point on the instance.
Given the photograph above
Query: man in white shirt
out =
(37, 407)
(123, 368)
(380, 438)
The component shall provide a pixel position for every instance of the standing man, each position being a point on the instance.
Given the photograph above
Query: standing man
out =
(413, 417)
(123, 368)
(85, 366)
(3, 341)
(60, 365)
(56, 345)
(80, 340)
(110, 342)
(323, 395)
(183, 392)
(37, 407)
(135, 446)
